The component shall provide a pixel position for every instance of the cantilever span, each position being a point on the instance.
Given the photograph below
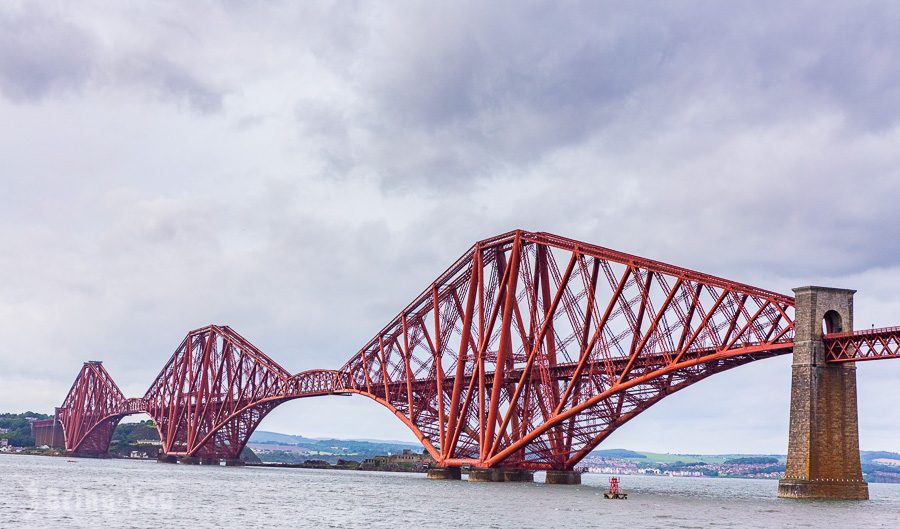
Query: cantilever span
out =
(206, 401)
(526, 353)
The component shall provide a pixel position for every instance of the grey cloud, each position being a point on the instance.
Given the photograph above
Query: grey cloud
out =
(41, 54)
(172, 81)
(44, 54)
(784, 100)
(362, 148)
(859, 71)
(498, 89)
(498, 86)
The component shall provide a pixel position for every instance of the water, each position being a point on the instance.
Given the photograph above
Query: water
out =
(52, 492)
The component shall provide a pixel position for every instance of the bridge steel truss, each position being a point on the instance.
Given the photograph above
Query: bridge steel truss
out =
(869, 344)
(527, 352)
(92, 409)
(532, 348)
(215, 390)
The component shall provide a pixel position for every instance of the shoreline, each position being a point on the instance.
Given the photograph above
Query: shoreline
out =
(74, 458)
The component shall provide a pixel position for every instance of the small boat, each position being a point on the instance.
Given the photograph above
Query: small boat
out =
(614, 493)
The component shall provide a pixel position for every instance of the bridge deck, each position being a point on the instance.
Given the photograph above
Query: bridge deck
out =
(869, 344)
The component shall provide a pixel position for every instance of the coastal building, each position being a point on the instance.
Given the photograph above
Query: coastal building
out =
(405, 461)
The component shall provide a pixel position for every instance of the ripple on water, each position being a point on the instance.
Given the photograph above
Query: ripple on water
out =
(49, 492)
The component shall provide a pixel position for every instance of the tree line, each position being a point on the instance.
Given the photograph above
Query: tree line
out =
(17, 427)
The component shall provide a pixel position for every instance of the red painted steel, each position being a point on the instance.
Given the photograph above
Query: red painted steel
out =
(527, 352)
(91, 411)
(869, 344)
(532, 348)
(216, 389)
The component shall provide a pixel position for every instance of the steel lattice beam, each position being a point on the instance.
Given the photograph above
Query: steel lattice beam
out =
(527, 352)
(870, 344)
(578, 339)
(91, 410)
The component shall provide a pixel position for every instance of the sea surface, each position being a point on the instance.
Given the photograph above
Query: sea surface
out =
(56, 492)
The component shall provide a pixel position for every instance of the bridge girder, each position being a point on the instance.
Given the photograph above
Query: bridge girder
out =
(527, 352)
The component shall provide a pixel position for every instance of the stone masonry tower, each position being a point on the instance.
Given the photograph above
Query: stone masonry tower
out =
(823, 447)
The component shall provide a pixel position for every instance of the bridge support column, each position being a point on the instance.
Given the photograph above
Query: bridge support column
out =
(823, 447)
(189, 460)
(518, 474)
(486, 474)
(165, 458)
(563, 477)
(234, 463)
(444, 473)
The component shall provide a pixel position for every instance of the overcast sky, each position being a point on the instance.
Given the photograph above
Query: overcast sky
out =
(300, 173)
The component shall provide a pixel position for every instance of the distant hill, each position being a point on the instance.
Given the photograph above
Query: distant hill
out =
(284, 448)
(877, 466)
(350, 447)
(261, 436)
(653, 457)
(869, 457)
(275, 437)
(618, 453)
(279, 447)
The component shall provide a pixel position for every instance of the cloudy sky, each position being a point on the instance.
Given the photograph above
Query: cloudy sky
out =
(301, 172)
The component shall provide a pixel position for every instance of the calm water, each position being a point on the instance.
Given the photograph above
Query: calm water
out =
(51, 492)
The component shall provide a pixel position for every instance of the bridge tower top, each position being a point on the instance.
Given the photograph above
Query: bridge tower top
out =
(819, 311)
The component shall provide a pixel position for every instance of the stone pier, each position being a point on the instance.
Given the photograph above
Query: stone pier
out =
(499, 475)
(518, 475)
(486, 474)
(563, 477)
(823, 448)
(444, 473)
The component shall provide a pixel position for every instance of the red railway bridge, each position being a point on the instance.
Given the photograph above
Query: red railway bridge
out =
(525, 354)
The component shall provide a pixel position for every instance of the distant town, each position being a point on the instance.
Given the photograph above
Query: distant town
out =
(139, 440)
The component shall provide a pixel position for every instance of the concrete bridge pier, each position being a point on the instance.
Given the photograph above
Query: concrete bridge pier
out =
(444, 473)
(563, 477)
(499, 475)
(518, 475)
(823, 447)
(490, 474)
